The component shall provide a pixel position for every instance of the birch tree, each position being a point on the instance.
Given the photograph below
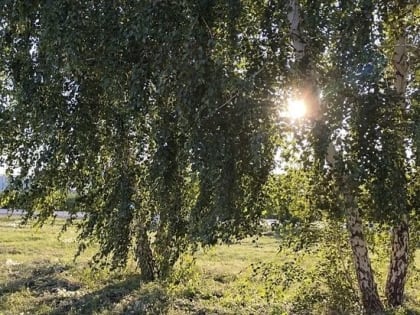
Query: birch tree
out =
(347, 185)
(350, 135)
(399, 256)
(154, 113)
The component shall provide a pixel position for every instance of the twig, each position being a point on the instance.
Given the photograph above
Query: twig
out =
(227, 102)
(208, 27)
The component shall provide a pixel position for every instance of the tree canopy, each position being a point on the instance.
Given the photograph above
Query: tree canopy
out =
(145, 109)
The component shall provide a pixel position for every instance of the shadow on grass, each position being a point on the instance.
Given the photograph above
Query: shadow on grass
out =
(124, 297)
(62, 296)
(40, 281)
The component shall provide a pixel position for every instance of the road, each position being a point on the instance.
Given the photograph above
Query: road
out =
(59, 214)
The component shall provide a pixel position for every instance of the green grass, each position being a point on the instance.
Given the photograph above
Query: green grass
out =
(39, 276)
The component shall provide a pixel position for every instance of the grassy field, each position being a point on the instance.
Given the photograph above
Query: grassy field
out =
(39, 276)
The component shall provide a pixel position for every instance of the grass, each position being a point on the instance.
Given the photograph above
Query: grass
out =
(39, 276)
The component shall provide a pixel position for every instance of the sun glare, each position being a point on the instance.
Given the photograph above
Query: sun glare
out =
(296, 108)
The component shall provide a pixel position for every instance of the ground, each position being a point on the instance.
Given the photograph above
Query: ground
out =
(39, 276)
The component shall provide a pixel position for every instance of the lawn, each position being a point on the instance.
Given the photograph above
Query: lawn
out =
(39, 276)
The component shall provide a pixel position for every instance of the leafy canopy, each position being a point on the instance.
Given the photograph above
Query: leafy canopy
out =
(166, 110)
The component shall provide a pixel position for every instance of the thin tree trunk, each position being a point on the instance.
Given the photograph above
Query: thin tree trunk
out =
(367, 285)
(144, 255)
(398, 265)
(298, 42)
(371, 301)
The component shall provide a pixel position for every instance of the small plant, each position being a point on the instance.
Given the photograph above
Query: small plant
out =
(324, 285)
(185, 277)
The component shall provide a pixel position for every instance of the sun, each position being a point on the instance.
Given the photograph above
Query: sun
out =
(296, 108)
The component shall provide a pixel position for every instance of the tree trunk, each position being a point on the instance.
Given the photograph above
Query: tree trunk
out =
(367, 286)
(398, 265)
(144, 256)
(295, 20)
(397, 271)
(309, 91)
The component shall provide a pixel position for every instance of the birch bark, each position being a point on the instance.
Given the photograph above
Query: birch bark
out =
(399, 258)
(367, 285)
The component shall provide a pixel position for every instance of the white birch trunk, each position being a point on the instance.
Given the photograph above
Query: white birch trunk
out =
(309, 91)
(294, 18)
(366, 282)
(400, 64)
(399, 259)
(398, 265)
(367, 286)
